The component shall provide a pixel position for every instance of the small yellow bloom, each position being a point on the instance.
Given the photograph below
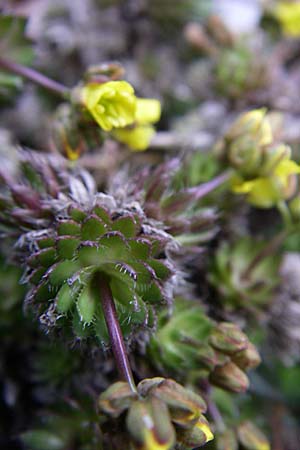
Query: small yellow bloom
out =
(148, 111)
(112, 104)
(288, 14)
(138, 136)
(266, 191)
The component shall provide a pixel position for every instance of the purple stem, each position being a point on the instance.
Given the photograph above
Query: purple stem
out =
(34, 76)
(115, 333)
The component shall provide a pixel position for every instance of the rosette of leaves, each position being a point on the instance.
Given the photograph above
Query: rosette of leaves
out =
(190, 344)
(72, 240)
(244, 275)
(160, 414)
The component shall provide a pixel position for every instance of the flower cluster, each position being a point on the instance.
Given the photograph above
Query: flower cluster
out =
(263, 169)
(160, 414)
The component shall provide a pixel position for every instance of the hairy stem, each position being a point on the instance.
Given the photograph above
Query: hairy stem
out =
(34, 76)
(115, 333)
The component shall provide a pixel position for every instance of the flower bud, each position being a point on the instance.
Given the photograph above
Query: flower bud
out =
(149, 425)
(227, 440)
(245, 155)
(184, 405)
(251, 438)
(230, 377)
(116, 399)
(199, 435)
(254, 124)
(228, 338)
(273, 156)
(103, 72)
(248, 358)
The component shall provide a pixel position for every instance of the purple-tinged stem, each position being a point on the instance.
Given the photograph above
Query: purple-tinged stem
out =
(115, 333)
(34, 76)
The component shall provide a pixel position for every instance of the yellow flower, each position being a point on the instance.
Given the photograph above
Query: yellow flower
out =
(267, 190)
(288, 14)
(138, 136)
(148, 111)
(112, 104)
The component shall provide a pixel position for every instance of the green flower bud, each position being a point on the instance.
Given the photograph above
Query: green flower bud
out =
(184, 405)
(251, 438)
(228, 338)
(248, 358)
(245, 155)
(149, 424)
(230, 377)
(116, 399)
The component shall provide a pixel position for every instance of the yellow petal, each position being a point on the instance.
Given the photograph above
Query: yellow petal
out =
(148, 111)
(288, 14)
(112, 104)
(286, 167)
(137, 138)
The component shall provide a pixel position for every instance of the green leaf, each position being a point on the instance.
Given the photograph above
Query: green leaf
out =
(43, 439)
(66, 246)
(127, 225)
(86, 305)
(92, 229)
(62, 271)
(64, 299)
(68, 228)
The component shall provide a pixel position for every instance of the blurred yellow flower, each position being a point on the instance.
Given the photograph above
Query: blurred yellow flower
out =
(288, 14)
(267, 190)
(112, 104)
(138, 136)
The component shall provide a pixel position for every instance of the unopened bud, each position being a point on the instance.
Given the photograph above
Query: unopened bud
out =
(116, 399)
(149, 424)
(248, 358)
(227, 440)
(104, 72)
(255, 124)
(251, 438)
(197, 436)
(185, 406)
(273, 156)
(228, 338)
(196, 36)
(230, 377)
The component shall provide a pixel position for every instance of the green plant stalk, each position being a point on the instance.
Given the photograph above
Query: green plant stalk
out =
(114, 331)
(35, 77)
